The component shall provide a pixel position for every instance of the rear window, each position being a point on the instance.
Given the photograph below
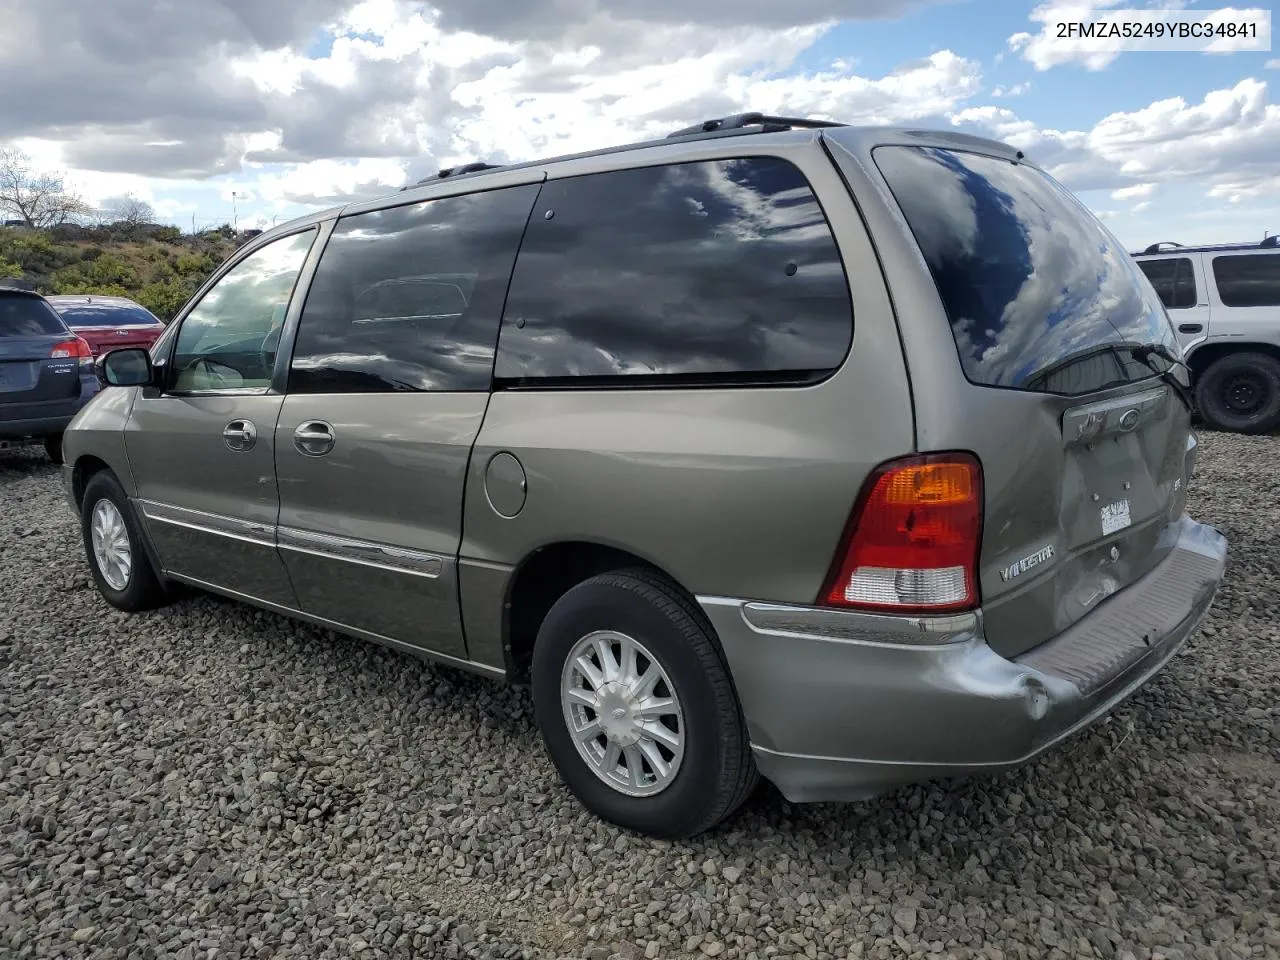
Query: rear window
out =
(22, 316)
(1252, 280)
(1040, 296)
(105, 315)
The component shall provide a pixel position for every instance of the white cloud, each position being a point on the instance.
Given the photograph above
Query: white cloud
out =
(1225, 142)
(1273, 64)
(1235, 191)
(1014, 91)
(403, 89)
(1138, 191)
(326, 182)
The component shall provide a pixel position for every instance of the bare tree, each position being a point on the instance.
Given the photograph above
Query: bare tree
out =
(38, 197)
(128, 210)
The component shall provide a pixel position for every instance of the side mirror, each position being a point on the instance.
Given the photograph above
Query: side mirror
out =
(127, 367)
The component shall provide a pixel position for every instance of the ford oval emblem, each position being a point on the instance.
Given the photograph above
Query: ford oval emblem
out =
(1129, 419)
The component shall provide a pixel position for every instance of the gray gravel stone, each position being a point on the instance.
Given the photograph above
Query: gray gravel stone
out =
(209, 780)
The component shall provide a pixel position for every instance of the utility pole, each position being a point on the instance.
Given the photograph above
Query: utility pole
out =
(235, 216)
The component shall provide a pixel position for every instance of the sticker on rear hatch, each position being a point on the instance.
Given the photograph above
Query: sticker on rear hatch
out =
(1115, 516)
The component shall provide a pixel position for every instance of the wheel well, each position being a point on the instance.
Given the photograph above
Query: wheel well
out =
(1200, 359)
(542, 579)
(84, 471)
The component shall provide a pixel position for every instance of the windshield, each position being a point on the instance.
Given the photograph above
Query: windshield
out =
(1040, 296)
(105, 315)
(23, 316)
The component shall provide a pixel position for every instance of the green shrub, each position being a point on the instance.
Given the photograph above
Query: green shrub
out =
(165, 299)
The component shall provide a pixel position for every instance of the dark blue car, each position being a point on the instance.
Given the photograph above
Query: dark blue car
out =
(46, 371)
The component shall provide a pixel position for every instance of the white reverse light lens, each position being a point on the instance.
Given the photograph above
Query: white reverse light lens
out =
(883, 586)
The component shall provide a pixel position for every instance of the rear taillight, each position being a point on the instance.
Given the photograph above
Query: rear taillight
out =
(78, 348)
(913, 540)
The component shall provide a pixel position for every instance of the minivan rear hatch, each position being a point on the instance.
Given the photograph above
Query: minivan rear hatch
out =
(1073, 395)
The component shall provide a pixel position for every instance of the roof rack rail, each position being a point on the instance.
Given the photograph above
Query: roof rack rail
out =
(465, 168)
(1269, 242)
(770, 124)
(452, 172)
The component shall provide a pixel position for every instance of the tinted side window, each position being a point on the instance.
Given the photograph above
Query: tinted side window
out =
(1174, 280)
(719, 271)
(228, 340)
(410, 298)
(1252, 280)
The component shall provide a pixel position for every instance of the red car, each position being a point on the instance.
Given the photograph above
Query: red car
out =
(108, 322)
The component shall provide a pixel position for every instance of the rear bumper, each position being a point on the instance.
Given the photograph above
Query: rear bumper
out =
(35, 426)
(45, 418)
(843, 706)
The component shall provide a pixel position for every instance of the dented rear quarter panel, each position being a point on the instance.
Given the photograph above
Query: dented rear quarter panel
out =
(1035, 497)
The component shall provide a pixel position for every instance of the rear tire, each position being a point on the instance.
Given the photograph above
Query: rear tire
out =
(1240, 393)
(53, 447)
(114, 547)
(687, 720)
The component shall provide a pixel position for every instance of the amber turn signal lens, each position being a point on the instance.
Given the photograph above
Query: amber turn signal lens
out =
(930, 483)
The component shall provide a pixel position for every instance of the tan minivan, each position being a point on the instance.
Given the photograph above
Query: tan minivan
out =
(848, 457)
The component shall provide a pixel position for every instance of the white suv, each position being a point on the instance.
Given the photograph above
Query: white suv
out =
(1224, 302)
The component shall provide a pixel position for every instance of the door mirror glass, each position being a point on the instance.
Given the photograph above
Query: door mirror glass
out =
(127, 367)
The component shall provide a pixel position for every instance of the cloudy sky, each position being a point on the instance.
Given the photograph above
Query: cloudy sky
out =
(291, 104)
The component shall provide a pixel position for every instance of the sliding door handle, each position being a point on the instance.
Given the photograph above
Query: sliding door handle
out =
(314, 438)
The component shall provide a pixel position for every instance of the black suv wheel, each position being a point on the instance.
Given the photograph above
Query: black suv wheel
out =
(1241, 393)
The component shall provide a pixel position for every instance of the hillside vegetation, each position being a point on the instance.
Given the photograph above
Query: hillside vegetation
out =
(157, 266)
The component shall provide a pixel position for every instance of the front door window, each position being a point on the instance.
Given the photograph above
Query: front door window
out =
(228, 340)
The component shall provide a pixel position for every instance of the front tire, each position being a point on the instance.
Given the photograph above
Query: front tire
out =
(53, 448)
(637, 709)
(113, 545)
(1240, 393)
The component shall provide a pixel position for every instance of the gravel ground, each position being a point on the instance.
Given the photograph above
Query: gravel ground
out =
(213, 781)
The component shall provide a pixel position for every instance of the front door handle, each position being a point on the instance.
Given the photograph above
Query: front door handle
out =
(314, 438)
(240, 435)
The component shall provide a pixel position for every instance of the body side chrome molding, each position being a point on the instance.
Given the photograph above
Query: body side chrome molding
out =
(330, 547)
(250, 531)
(364, 552)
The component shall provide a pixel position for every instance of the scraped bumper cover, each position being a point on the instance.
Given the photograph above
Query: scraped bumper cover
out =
(845, 706)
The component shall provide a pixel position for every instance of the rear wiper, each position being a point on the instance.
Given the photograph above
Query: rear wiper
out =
(1146, 351)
